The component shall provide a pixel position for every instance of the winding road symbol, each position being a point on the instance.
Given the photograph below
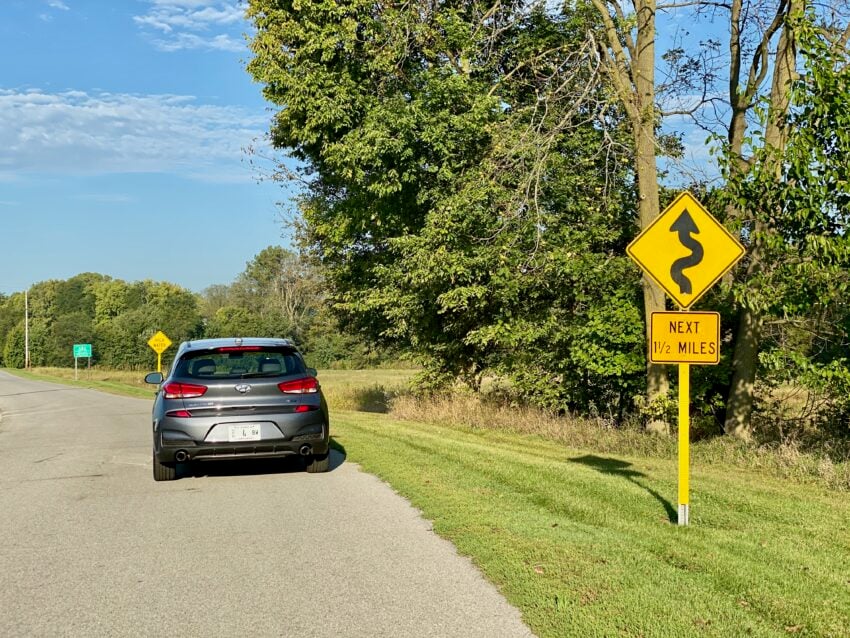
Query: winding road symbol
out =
(685, 250)
(685, 227)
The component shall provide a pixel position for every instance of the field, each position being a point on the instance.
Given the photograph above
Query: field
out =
(345, 389)
(582, 537)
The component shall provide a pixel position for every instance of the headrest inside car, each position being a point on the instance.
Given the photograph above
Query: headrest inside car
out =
(270, 366)
(203, 368)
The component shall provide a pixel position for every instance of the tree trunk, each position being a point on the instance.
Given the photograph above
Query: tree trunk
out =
(646, 169)
(739, 403)
(630, 63)
(657, 382)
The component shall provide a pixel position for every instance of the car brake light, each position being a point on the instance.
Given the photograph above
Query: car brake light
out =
(239, 349)
(183, 390)
(306, 385)
(180, 414)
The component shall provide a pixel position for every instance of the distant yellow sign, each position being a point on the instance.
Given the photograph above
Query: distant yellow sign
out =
(159, 342)
(685, 337)
(685, 250)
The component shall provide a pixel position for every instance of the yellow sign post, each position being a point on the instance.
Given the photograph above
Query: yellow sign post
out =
(685, 338)
(159, 343)
(685, 251)
(684, 443)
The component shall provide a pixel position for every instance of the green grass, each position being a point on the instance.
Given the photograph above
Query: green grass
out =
(123, 382)
(361, 390)
(586, 544)
(583, 539)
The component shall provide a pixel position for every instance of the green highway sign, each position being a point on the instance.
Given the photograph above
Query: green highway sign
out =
(82, 350)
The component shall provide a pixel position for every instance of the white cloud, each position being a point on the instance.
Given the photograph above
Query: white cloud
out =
(107, 198)
(194, 24)
(167, 19)
(53, 4)
(189, 4)
(79, 133)
(181, 41)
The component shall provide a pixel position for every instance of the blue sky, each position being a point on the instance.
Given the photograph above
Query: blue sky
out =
(122, 125)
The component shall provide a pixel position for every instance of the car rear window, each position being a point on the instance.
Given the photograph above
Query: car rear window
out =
(239, 362)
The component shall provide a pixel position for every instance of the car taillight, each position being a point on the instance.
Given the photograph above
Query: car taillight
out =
(307, 385)
(183, 390)
(180, 414)
(306, 408)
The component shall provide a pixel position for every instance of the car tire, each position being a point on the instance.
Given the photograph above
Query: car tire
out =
(319, 463)
(163, 471)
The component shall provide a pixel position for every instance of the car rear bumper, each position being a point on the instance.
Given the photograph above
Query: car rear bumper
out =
(255, 450)
(178, 445)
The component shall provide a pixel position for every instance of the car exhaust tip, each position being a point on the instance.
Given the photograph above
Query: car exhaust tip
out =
(305, 450)
(180, 456)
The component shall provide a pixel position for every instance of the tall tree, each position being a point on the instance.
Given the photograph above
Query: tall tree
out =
(454, 152)
(278, 294)
(760, 71)
(465, 185)
(743, 97)
(627, 48)
(282, 281)
(788, 175)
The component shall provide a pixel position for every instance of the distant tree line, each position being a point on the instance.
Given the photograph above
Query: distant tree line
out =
(282, 294)
(279, 294)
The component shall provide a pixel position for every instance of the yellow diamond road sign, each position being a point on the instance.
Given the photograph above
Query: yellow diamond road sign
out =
(685, 250)
(159, 342)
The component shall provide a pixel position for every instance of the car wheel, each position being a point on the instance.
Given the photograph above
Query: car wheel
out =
(318, 463)
(163, 471)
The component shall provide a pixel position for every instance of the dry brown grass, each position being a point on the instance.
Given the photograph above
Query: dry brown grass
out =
(127, 377)
(789, 460)
(469, 411)
(363, 390)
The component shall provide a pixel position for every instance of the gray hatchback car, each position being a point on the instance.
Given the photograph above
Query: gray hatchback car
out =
(235, 399)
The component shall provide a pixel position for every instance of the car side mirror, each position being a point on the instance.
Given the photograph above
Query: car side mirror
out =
(313, 372)
(154, 378)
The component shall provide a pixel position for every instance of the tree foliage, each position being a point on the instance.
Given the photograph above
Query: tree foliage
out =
(468, 187)
(116, 317)
(473, 170)
(279, 294)
(797, 201)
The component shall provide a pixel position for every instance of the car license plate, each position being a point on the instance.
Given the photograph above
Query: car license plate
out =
(248, 432)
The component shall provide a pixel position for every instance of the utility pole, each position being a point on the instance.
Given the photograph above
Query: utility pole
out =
(26, 330)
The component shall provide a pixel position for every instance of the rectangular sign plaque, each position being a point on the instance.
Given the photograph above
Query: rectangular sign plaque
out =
(82, 350)
(685, 337)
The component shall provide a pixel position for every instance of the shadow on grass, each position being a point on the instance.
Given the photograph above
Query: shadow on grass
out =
(255, 467)
(336, 445)
(616, 467)
(374, 398)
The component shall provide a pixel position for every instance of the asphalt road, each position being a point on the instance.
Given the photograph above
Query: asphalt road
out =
(90, 545)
